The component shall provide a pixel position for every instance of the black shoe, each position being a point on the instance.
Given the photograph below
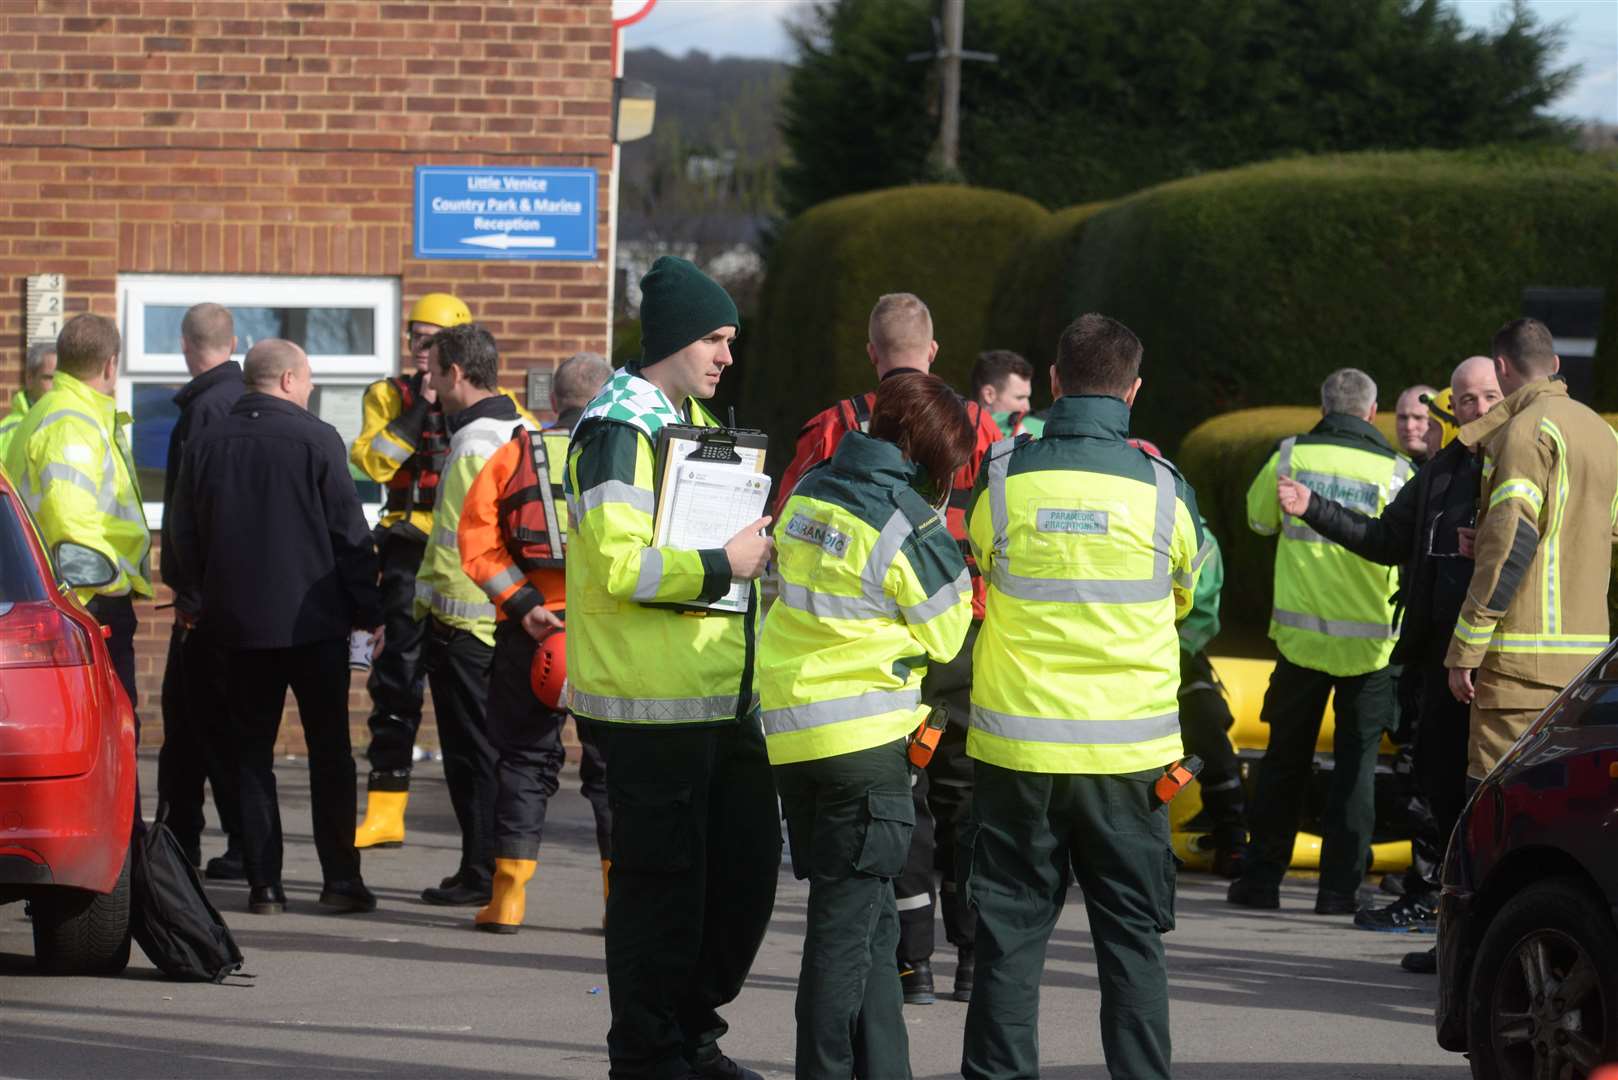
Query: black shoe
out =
(964, 970)
(723, 1068)
(1332, 903)
(267, 899)
(458, 895)
(1248, 893)
(1228, 862)
(343, 897)
(226, 867)
(1406, 915)
(1421, 963)
(917, 982)
(451, 881)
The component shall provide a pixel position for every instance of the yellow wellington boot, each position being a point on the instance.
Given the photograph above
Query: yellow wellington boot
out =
(504, 913)
(606, 867)
(384, 820)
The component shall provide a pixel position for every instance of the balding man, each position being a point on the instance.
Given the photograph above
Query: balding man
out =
(39, 371)
(1410, 420)
(277, 565)
(1420, 531)
(194, 698)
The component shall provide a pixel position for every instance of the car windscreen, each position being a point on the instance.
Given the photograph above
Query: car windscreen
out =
(20, 577)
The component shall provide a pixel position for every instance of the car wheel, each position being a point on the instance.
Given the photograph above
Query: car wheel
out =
(77, 932)
(1544, 995)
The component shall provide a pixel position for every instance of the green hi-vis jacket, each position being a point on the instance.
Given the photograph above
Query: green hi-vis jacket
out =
(1537, 606)
(1092, 549)
(1201, 626)
(872, 587)
(1334, 612)
(630, 660)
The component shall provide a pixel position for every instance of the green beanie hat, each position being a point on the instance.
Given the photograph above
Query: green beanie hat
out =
(680, 304)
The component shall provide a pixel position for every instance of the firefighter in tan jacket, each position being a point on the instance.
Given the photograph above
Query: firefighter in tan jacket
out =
(1536, 611)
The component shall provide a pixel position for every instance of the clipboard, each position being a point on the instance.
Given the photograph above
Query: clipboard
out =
(710, 483)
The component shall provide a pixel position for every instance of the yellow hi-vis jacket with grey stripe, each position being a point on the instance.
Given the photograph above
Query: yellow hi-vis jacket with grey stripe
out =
(1334, 611)
(12, 421)
(630, 660)
(71, 463)
(872, 588)
(1537, 607)
(442, 587)
(1091, 549)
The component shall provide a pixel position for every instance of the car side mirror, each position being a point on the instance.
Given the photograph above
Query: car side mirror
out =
(84, 567)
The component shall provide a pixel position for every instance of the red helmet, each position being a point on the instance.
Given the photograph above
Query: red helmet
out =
(548, 676)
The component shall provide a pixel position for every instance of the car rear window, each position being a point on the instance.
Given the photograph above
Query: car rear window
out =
(20, 579)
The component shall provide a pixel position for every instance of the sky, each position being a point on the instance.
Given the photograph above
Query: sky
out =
(755, 28)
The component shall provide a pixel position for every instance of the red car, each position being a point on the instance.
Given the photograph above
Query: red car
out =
(67, 755)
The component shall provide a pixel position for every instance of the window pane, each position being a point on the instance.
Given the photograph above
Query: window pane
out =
(322, 331)
(20, 579)
(154, 412)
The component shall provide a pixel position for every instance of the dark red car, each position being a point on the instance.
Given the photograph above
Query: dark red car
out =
(67, 755)
(1528, 917)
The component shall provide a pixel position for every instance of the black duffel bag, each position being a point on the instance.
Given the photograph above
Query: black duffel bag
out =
(170, 915)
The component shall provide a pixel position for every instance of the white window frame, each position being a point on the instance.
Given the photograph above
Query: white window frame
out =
(137, 292)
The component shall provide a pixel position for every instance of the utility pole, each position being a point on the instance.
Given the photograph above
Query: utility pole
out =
(947, 38)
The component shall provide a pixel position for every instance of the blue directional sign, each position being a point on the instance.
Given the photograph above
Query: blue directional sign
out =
(498, 213)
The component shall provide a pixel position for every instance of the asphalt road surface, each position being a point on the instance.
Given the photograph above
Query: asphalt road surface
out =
(413, 991)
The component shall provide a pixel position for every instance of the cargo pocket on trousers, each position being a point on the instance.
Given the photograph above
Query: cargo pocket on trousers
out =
(890, 817)
(652, 828)
(1165, 893)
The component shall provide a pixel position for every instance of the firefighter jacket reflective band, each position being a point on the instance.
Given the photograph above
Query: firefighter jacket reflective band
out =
(71, 463)
(513, 529)
(1334, 611)
(872, 588)
(11, 421)
(1091, 549)
(630, 661)
(442, 587)
(1537, 606)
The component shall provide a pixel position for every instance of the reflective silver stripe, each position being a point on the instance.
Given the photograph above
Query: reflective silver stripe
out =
(1283, 467)
(478, 443)
(999, 516)
(1300, 532)
(502, 581)
(67, 474)
(1401, 473)
(381, 444)
(615, 491)
(464, 609)
(445, 538)
(913, 903)
(654, 710)
(651, 574)
(1300, 620)
(829, 606)
(941, 601)
(837, 710)
(888, 542)
(1202, 554)
(1047, 729)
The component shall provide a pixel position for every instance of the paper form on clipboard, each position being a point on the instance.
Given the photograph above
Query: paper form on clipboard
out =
(713, 486)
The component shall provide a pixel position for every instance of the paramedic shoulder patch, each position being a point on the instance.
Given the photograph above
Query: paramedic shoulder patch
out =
(1082, 522)
(818, 533)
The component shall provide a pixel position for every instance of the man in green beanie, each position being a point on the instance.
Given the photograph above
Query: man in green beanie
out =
(695, 837)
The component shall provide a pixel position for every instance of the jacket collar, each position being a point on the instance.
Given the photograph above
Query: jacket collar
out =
(1345, 426)
(254, 401)
(870, 458)
(102, 406)
(495, 407)
(230, 369)
(1496, 418)
(20, 403)
(1097, 416)
(568, 419)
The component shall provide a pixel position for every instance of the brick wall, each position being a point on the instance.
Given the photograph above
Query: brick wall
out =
(217, 137)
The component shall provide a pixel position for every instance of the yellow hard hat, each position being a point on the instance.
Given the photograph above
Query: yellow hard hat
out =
(439, 309)
(1442, 411)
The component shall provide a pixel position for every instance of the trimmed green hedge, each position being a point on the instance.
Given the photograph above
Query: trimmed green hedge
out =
(950, 245)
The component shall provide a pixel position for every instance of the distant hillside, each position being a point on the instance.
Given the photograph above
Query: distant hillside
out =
(706, 176)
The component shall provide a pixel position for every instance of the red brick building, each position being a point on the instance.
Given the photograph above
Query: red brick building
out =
(158, 153)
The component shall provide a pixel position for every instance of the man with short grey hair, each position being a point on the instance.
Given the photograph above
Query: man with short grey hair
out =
(39, 371)
(577, 381)
(1334, 626)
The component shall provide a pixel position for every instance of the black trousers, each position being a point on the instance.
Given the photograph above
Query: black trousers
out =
(1031, 834)
(197, 746)
(696, 846)
(593, 781)
(943, 800)
(458, 670)
(1294, 706)
(527, 738)
(1205, 722)
(117, 614)
(849, 818)
(1441, 755)
(396, 678)
(318, 675)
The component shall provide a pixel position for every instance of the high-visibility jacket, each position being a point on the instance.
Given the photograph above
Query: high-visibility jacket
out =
(872, 587)
(518, 567)
(631, 658)
(1092, 549)
(1536, 609)
(11, 421)
(1334, 611)
(71, 463)
(442, 587)
(820, 436)
(403, 445)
